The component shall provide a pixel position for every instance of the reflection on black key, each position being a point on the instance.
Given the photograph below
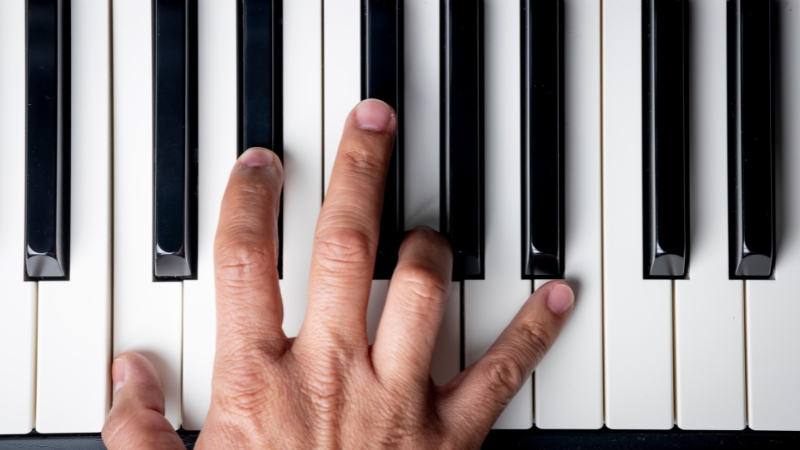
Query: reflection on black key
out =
(462, 135)
(382, 78)
(751, 207)
(542, 140)
(175, 152)
(261, 83)
(665, 139)
(47, 182)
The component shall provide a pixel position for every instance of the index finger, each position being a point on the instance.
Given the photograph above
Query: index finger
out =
(348, 228)
(249, 308)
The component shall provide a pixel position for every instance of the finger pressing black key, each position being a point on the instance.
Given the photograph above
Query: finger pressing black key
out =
(665, 139)
(260, 46)
(751, 215)
(47, 182)
(542, 140)
(175, 133)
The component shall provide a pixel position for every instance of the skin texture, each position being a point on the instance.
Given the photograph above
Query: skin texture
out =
(328, 388)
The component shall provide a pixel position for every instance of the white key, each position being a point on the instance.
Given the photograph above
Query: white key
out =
(342, 81)
(568, 383)
(421, 159)
(74, 347)
(342, 37)
(18, 300)
(147, 314)
(446, 362)
(377, 300)
(302, 150)
(709, 308)
(637, 312)
(772, 306)
(217, 134)
(490, 304)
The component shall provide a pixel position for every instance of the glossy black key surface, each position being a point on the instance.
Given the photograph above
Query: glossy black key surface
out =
(260, 47)
(751, 199)
(461, 128)
(47, 180)
(542, 139)
(665, 139)
(175, 138)
(382, 78)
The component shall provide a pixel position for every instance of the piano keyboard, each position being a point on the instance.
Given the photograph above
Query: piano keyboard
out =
(639, 149)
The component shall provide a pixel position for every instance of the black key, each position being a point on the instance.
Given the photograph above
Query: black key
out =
(751, 195)
(382, 78)
(462, 135)
(260, 46)
(175, 152)
(47, 181)
(665, 139)
(542, 139)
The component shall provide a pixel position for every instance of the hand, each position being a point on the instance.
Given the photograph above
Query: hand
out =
(328, 388)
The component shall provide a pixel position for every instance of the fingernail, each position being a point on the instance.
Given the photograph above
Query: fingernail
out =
(560, 299)
(373, 115)
(256, 157)
(118, 369)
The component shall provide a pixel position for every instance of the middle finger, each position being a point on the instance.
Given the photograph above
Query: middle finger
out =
(348, 228)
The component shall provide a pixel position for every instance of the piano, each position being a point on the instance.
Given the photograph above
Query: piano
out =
(642, 150)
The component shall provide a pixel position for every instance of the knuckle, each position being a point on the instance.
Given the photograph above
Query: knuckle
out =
(247, 200)
(535, 338)
(240, 261)
(423, 284)
(364, 161)
(504, 376)
(343, 248)
(325, 390)
(257, 191)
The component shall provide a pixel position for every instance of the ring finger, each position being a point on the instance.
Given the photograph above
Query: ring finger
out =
(415, 305)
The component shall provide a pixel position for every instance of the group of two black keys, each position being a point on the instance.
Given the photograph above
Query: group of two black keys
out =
(750, 93)
(665, 132)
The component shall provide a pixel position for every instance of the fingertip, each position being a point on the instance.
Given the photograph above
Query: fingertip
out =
(374, 115)
(432, 244)
(118, 370)
(428, 234)
(257, 157)
(258, 166)
(136, 418)
(560, 298)
(136, 378)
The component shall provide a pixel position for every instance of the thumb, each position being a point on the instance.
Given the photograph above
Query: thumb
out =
(136, 419)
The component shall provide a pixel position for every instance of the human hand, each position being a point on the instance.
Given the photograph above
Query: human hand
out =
(328, 388)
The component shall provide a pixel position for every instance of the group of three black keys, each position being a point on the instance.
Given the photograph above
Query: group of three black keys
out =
(665, 128)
